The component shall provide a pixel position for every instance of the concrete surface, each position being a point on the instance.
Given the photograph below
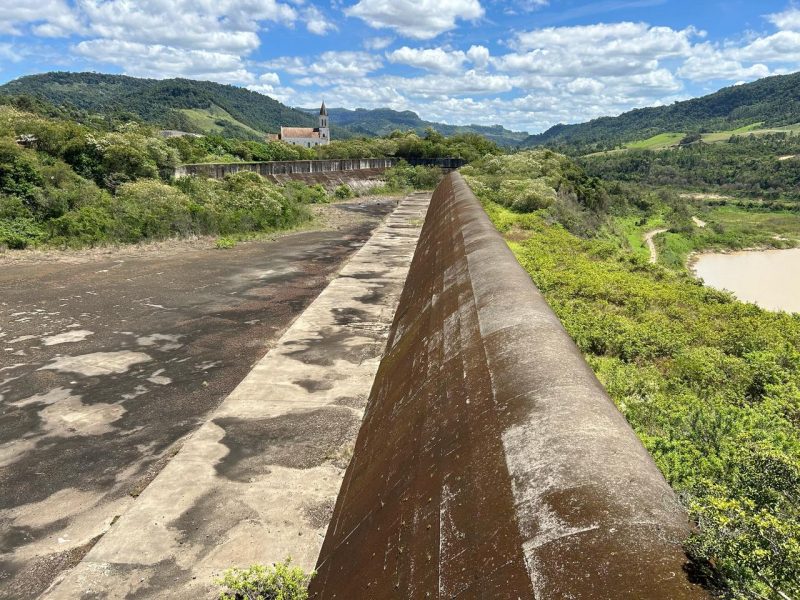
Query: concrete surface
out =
(491, 463)
(258, 480)
(108, 360)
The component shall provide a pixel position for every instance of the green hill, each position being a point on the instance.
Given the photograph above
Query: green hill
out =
(207, 107)
(771, 103)
(382, 121)
(195, 106)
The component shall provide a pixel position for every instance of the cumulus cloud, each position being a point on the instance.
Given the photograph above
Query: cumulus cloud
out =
(788, 19)
(431, 59)
(331, 64)
(226, 26)
(157, 61)
(418, 19)
(603, 49)
(317, 22)
(48, 18)
(377, 43)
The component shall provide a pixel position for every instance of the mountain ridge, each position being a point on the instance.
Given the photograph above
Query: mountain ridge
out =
(772, 101)
(209, 107)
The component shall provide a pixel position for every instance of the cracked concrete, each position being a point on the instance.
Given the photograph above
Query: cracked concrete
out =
(257, 482)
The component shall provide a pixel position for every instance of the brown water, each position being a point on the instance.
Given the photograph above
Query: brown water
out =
(769, 278)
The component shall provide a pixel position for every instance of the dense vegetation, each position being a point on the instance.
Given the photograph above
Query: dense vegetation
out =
(710, 385)
(63, 182)
(160, 102)
(746, 165)
(773, 101)
(76, 185)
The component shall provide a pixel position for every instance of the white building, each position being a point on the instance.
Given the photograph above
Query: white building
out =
(308, 137)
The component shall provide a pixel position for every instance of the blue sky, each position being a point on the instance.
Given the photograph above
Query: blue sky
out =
(526, 65)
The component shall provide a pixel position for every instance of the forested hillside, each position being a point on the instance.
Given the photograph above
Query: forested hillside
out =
(773, 102)
(170, 103)
(213, 108)
(382, 121)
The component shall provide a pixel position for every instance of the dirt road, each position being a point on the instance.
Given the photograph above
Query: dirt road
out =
(107, 363)
(648, 238)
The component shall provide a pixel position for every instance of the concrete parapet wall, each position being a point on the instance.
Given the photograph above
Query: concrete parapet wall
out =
(491, 463)
(286, 167)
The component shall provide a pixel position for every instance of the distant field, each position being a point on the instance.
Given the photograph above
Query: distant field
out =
(662, 141)
(206, 119)
(784, 224)
(657, 142)
(730, 227)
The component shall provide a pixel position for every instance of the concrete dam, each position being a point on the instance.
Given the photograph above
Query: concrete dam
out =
(491, 463)
(422, 427)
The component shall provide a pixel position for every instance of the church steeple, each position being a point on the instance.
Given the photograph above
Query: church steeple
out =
(324, 131)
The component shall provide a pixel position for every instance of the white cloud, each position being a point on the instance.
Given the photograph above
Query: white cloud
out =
(329, 64)
(788, 19)
(157, 61)
(377, 43)
(418, 19)
(479, 55)
(269, 78)
(225, 26)
(49, 18)
(317, 22)
(8, 55)
(431, 59)
(596, 50)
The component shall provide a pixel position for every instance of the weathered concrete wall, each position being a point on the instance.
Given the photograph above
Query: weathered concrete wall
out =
(286, 167)
(298, 169)
(491, 463)
(361, 181)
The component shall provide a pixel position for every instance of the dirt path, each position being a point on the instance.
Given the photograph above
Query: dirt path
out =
(648, 239)
(699, 222)
(108, 360)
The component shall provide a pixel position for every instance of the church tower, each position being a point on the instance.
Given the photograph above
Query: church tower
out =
(324, 131)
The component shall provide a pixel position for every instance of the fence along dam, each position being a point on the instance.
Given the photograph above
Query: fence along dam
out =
(491, 463)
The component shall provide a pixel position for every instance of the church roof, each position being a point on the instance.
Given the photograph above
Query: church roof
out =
(299, 132)
(323, 111)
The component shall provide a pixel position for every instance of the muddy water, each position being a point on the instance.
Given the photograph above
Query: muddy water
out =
(769, 278)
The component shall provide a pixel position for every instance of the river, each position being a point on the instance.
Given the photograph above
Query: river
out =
(769, 278)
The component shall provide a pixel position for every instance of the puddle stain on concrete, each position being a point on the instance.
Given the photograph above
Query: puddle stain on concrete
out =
(68, 337)
(98, 363)
(300, 440)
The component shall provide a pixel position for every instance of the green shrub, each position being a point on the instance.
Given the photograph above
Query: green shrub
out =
(20, 232)
(279, 582)
(343, 192)
(149, 209)
(710, 385)
(88, 225)
(404, 176)
(526, 195)
(224, 243)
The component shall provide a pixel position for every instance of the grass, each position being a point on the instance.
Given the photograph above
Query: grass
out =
(206, 119)
(662, 141)
(729, 228)
(657, 142)
(709, 385)
(633, 229)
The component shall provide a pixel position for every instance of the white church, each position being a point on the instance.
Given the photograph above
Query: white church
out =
(308, 137)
